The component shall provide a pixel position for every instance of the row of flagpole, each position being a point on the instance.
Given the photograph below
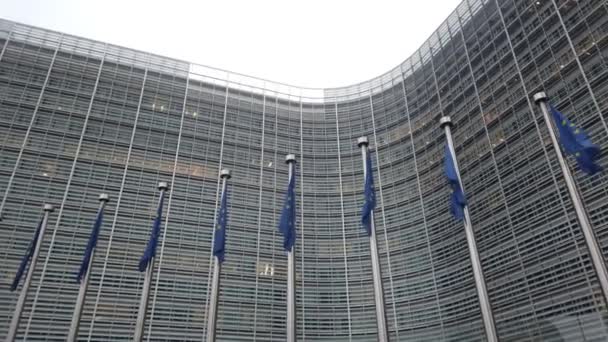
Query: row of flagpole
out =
(572, 139)
(574, 142)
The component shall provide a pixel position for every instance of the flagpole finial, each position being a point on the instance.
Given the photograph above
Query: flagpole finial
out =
(362, 141)
(104, 198)
(49, 207)
(540, 97)
(225, 173)
(163, 186)
(445, 121)
(290, 158)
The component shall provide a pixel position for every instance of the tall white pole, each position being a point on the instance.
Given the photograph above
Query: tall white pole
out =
(290, 159)
(215, 283)
(362, 142)
(12, 332)
(145, 292)
(480, 283)
(599, 264)
(84, 284)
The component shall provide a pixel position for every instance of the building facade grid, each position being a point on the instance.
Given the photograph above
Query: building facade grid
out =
(80, 117)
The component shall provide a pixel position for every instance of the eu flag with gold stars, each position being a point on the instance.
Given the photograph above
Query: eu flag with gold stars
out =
(287, 225)
(370, 196)
(576, 143)
(458, 199)
(150, 251)
(88, 252)
(219, 240)
(26, 258)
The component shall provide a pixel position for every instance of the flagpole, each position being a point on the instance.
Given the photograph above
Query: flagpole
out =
(215, 284)
(12, 332)
(541, 100)
(145, 292)
(84, 284)
(480, 283)
(290, 159)
(362, 142)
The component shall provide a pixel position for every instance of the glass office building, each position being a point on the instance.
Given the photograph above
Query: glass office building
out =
(80, 117)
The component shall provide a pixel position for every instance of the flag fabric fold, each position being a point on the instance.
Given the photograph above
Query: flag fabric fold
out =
(576, 142)
(219, 240)
(88, 252)
(287, 225)
(29, 253)
(150, 251)
(458, 199)
(370, 196)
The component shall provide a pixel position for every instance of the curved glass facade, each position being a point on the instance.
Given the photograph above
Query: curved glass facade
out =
(80, 117)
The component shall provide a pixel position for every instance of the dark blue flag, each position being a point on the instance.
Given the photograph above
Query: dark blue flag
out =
(370, 197)
(458, 199)
(84, 266)
(287, 225)
(219, 240)
(576, 143)
(26, 258)
(150, 251)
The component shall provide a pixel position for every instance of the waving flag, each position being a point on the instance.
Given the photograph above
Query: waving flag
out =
(88, 252)
(287, 225)
(26, 258)
(370, 196)
(150, 251)
(576, 143)
(458, 199)
(219, 241)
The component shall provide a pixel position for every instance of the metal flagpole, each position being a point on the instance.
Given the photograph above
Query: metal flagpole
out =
(12, 332)
(290, 159)
(362, 142)
(215, 284)
(145, 292)
(592, 245)
(84, 284)
(480, 283)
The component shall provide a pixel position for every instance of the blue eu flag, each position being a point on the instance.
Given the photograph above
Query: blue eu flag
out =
(26, 258)
(576, 143)
(219, 240)
(370, 197)
(458, 200)
(150, 251)
(88, 252)
(287, 225)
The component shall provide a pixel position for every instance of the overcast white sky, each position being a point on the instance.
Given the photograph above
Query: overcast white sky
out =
(310, 43)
